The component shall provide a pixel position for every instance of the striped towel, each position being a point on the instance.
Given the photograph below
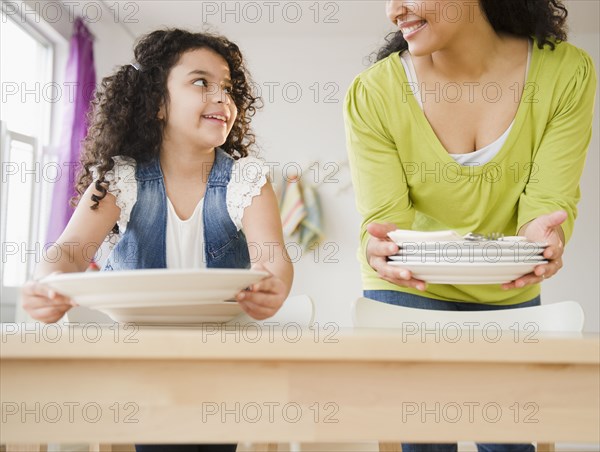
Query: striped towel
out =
(310, 228)
(291, 206)
(300, 214)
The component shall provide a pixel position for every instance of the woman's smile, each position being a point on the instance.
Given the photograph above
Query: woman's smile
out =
(409, 29)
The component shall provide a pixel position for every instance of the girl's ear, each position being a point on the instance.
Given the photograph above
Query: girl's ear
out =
(161, 113)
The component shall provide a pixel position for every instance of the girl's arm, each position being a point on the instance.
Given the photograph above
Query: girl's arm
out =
(72, 252)
(83, 235)
(262, 225)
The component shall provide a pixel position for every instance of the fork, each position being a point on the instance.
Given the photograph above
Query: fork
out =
(474, 236)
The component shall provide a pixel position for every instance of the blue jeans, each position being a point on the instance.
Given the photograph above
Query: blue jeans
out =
(416, 301)
(409, 300)
(480, 448)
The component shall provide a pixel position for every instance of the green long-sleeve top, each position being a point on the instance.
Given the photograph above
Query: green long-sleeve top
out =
(402, 174)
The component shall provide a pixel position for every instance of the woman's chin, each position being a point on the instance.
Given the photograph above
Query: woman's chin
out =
(419, 50)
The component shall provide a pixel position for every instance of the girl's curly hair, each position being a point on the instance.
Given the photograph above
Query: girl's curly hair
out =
(543, 19)
(123, 119)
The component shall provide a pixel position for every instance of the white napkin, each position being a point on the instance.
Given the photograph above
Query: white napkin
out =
(404, 235)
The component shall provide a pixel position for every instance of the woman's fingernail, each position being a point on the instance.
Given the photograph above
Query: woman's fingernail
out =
(421, 287)
(241, 296)
(392, 249)
(519, 284)
(404, 274)
(550, 254)
(256, 287)
(51, 294)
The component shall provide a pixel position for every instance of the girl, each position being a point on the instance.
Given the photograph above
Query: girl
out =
(168, 178)
(477, 117)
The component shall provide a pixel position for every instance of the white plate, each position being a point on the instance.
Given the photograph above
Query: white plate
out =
(215, 312)
(176, 296)
(470, 245)
(405, 235)
(466, 259)
(465, 253)
(467, 273)
(110, 299)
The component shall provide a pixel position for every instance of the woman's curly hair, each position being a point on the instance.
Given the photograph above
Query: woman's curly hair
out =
(123, 119)
(543, 19)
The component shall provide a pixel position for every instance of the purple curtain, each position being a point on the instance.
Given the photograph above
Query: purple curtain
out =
(80, 82)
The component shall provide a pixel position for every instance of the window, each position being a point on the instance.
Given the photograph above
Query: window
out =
(26, 81)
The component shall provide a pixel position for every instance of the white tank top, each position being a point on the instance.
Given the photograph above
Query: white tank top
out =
(185, 238)
(480, 156)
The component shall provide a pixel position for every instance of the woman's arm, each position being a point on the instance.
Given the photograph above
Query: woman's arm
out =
(560, 158)
(262, 225)
(72, 252)
(548, 206)
(382, 194)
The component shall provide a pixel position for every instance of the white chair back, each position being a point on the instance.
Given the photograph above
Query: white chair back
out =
(566, 316)
(299, 309)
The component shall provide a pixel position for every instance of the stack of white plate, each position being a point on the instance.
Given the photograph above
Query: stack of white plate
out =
(445, 257)
(159, 296)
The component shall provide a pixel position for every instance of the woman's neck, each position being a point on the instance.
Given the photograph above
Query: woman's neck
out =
(472, 55)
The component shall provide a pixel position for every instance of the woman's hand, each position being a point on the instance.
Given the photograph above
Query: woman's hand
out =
(379, 248)
(263, 299)
(44, 304)
(545, 228)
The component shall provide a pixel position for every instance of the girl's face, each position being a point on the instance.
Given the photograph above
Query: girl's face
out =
(201, 111)
(432, 25)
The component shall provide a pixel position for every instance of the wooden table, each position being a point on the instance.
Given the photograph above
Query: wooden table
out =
(188, 385)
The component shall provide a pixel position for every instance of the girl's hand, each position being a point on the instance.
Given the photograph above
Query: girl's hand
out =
(44, 304)
(545, 228)
(379, 248)
(264, 298)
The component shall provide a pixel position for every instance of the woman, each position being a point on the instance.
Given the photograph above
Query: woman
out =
(476, 117)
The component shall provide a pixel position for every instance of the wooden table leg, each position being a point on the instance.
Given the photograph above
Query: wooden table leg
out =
(390, 447)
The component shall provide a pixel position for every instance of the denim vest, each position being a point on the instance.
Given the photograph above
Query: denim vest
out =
(143, 245)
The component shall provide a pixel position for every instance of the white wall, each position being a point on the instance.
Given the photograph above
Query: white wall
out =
(307, 52)
(578, 280)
